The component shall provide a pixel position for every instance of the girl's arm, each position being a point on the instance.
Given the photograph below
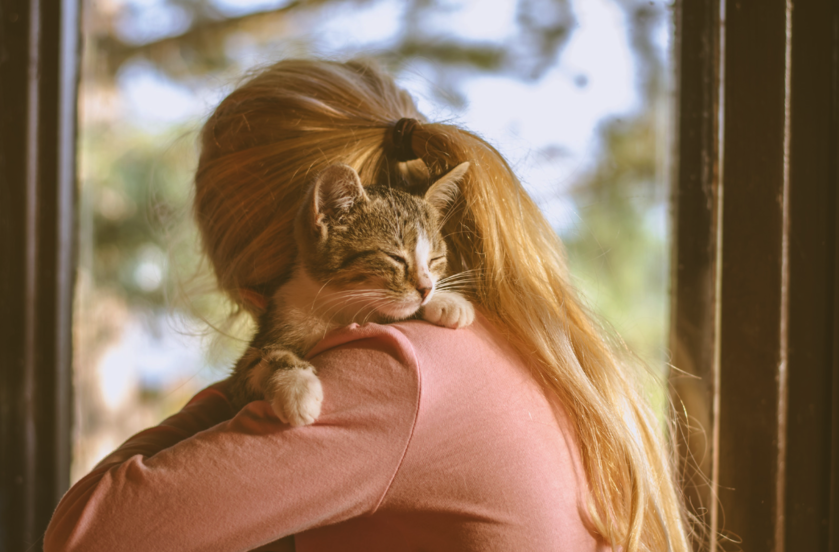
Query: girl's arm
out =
(206, 409)
(205, 481)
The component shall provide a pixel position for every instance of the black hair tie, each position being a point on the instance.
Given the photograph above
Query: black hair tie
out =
(403, 132)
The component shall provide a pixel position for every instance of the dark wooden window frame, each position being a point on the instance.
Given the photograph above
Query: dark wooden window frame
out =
(755, 318)
(755, 267)
(39, 61)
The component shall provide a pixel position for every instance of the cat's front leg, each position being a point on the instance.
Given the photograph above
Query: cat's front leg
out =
(450, 310)
(291, 385)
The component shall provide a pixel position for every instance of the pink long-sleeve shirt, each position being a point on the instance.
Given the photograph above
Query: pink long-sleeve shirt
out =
(429, 439)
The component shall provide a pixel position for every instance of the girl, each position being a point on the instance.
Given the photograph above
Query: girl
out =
(522, 431)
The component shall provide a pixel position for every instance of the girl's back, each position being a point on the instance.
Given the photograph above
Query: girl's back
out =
(483, 423)
(429, 439)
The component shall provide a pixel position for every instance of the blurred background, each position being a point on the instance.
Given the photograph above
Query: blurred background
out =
(575, 93)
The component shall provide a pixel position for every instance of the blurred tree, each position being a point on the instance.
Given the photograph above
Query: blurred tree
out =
(617, 253)
(194, 36)
(139, 248)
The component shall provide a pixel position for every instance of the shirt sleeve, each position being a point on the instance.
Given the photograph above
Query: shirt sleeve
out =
(210, 481)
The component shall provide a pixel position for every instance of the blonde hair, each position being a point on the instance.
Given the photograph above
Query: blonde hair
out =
(289, 121)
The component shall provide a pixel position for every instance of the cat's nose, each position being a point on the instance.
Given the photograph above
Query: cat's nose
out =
(423, 291)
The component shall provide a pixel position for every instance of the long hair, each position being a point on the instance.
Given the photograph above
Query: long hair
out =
(289, 121)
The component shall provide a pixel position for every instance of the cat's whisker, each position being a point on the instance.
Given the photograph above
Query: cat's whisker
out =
(348, 297)
(373, 306)
(330, 322)
(352, 293)
(338, 303)
(368, 315)
(466, 280)
(329, 314)
(370, 306)
(315, 300)
(457, 232)
(458, 282)
(460, 291)
(458, 279)
(450, 212)
(461, 276)
(470, 271)
(374, 309)
(338, 308)
(361, 295)
(452, 208)
(331, 309)
(353, 296)
(456, 287)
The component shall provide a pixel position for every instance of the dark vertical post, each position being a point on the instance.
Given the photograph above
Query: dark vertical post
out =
(753, 302)
(694, 259)
(833, 519)
(812, 273)
(39, 57)
(775, 336)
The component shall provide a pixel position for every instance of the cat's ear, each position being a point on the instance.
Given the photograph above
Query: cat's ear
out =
(336, 189)
(442, 193)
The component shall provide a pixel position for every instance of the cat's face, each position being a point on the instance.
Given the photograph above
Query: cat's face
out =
(376, 250)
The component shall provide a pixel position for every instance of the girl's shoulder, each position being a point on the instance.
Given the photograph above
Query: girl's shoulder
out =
(486, 442)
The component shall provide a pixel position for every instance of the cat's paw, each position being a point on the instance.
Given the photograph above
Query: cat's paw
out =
(297, 395)
(449, 310)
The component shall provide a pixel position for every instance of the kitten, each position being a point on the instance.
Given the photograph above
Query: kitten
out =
(364, 254)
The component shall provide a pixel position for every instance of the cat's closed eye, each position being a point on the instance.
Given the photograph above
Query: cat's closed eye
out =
(351, 259)
(398, 258)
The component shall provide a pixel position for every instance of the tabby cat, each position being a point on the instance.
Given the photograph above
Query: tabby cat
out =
(364, 254)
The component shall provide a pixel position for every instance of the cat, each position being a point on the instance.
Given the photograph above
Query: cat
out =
(364, 254)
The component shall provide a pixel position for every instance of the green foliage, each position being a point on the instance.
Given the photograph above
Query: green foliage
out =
(135, 196)
(618, 252)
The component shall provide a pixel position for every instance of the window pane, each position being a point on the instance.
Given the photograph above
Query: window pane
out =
(574, 94)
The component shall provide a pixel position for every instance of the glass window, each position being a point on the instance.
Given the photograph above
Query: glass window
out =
(576, 94)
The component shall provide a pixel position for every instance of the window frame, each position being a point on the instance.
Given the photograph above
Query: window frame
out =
(755, 318)
(755, 267)
(39, 70)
